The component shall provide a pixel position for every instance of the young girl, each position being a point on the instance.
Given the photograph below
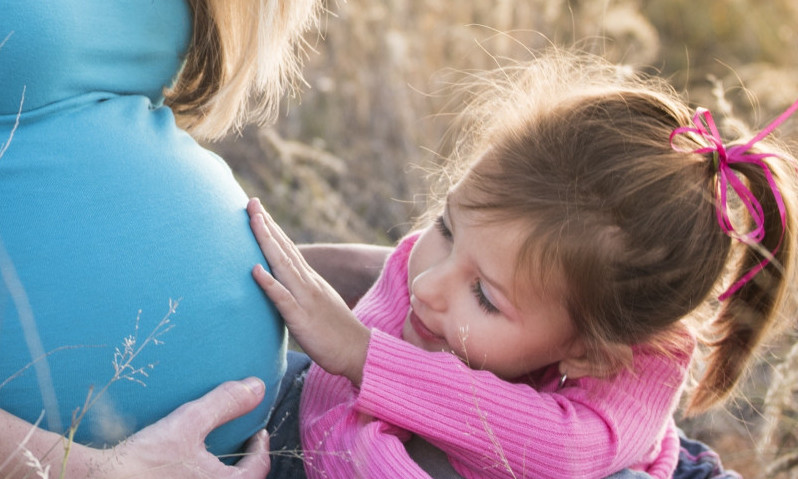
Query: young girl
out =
(543, 324)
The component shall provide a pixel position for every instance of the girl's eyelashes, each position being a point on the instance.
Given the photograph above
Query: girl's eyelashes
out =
(442, 228)
(476, 287)
(482, 299)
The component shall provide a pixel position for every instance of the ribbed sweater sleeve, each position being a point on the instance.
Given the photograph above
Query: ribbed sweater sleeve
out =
(488, 427)
(493, 428)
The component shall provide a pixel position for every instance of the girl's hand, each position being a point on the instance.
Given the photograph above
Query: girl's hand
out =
(317, 317)
(350, 268)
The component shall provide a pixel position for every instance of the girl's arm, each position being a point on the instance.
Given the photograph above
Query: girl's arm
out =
(494, 428)
(350, 268)
(172, 447)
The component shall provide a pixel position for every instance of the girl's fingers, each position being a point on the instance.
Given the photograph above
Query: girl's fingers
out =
(298, 282)
(256, 210)
(267, 231)
(255, 207)
(277, 292)
(286, 244)
(278, 256)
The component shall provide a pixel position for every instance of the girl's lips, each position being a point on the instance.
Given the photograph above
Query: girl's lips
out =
(423, 332)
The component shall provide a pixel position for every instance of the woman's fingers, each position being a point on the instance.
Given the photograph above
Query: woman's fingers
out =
(224, 403)
(255, 463)
(175, 446)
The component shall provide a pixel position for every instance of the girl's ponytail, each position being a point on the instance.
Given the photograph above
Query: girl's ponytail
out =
(750, 312)
(754, 303)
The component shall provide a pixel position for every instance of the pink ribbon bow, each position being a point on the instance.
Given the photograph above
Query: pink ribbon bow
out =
(705, 128)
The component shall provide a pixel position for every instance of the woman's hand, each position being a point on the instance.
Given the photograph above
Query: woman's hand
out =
(173, 447)
(318, 319)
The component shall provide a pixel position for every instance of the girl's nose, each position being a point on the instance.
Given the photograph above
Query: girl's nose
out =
(429, 287)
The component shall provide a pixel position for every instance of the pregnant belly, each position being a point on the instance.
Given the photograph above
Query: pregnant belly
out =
(132, 251)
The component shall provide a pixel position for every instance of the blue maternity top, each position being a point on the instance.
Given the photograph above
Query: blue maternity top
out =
(109, 212)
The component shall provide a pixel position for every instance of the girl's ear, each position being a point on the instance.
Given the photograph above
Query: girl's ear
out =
(580, 364)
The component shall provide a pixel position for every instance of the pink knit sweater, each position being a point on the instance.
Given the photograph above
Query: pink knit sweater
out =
(488, 427)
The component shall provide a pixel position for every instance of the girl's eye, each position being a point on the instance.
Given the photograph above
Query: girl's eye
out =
(483, 300)
(442, 228)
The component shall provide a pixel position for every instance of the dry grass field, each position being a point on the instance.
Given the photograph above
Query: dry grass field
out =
(347, 160)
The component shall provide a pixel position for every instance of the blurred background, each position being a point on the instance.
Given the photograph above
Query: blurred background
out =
(347, 160)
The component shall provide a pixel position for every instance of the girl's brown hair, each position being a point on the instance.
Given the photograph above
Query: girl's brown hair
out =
(243, 55)
(580, 150)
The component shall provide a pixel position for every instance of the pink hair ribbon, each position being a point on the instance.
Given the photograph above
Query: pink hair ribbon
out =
(705, 128)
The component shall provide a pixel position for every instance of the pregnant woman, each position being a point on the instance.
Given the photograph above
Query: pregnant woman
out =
(125, 249)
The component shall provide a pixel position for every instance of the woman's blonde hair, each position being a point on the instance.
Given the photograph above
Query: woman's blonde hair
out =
(243, 55)
(579, 150)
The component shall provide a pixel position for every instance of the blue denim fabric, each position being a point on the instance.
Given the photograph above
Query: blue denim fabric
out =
(283, 426)
(629, 474)
(698, 461)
